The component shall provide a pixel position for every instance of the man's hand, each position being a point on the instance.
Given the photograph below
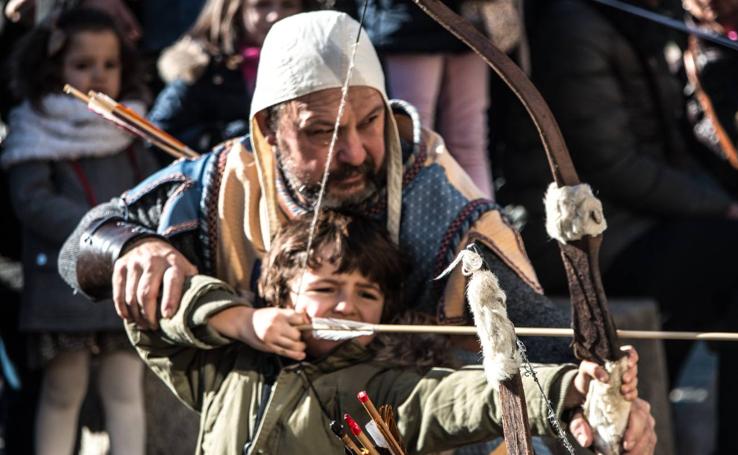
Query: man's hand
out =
(266, 329)
(150, 266)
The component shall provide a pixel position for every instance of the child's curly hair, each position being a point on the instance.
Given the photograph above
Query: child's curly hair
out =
(36, 64)
(354, 242)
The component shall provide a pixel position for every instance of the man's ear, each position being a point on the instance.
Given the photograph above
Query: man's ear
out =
(262, 119)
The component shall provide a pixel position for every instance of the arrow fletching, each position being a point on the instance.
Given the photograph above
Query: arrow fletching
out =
(339, 329)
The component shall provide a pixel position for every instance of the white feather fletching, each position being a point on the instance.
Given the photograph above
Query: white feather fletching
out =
(339, 329)
(376, 435)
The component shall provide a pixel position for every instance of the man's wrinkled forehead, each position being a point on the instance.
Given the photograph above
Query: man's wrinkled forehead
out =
(323, 105)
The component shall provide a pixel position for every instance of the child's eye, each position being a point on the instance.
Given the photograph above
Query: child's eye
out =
(323, 290)
(110, 65)
(81, 66)
(369, 295)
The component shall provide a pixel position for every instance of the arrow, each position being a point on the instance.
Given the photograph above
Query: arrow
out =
(341, 329)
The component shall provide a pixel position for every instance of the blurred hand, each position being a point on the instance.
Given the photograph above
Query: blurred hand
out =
(732, 213)
(713, 13)
(15, 10)
(150, 268)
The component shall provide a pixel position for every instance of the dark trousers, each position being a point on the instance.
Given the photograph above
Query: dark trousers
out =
(689, 268)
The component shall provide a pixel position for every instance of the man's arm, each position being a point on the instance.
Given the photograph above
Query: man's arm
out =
(120, 238)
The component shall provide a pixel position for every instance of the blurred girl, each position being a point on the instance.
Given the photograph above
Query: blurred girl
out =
(61, 160)
(211, 71)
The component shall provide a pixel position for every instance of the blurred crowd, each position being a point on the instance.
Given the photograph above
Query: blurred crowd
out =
(649, 113)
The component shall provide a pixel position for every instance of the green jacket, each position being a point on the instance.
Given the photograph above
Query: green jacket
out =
(224, 382)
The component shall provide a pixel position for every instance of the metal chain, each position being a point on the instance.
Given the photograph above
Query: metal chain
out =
(528, 371)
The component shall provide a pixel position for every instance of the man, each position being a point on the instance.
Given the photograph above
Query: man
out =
(216, 215)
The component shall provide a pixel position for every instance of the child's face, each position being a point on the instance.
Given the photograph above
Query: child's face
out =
(92, 62)
(330, 295)
(260, 15)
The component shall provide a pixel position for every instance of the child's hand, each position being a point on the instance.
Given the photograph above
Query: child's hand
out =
(266, 329)
(275, 330)
(640, 426)
(590, 370)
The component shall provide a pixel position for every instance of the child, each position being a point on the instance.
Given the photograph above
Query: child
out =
(62, 159)
(211, 71)
(258, 402)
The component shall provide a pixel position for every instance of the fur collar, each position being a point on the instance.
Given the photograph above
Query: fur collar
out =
(64, 130)
(185, 60)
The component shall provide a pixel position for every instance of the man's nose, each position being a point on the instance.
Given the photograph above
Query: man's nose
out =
(350, 148)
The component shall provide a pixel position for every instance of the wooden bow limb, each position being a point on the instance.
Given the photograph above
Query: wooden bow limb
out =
(501, 356)
(130, 120)
(595, 335)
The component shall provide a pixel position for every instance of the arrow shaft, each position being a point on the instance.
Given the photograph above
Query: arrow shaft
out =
(535, 331)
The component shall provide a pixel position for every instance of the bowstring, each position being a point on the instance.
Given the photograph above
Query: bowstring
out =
(317, 206)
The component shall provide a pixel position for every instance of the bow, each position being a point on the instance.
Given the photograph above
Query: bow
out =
(595, 335)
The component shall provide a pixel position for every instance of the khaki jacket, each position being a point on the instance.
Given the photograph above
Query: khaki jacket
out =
(224, 381)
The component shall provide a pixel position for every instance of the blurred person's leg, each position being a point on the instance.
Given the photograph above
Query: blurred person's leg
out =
(120, 383)
(462, 115)
(416, 78)
(63, 388)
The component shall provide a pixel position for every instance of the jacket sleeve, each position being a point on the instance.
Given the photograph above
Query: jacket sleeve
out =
(87, 257)
(576, 63)
(38, 206)
(188, 355)
(449, 408)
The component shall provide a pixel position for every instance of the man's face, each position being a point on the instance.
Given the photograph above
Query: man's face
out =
(304, 130)
(324, 293)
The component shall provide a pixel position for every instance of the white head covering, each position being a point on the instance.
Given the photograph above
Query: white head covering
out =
(306, 53)
(309, 52)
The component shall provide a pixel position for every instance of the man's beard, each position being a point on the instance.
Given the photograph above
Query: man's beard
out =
(333, 197)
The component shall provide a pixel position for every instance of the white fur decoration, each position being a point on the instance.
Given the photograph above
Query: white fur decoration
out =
(495, 331)
(607, 410)
(573, 212)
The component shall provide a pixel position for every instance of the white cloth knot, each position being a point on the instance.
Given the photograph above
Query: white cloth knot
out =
(471, 261)
(573, 212)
